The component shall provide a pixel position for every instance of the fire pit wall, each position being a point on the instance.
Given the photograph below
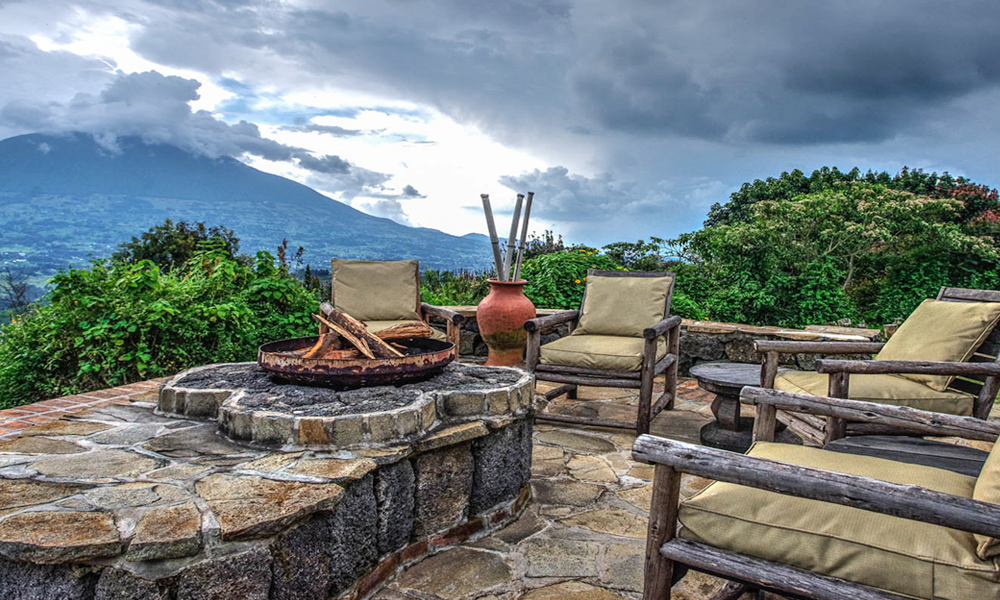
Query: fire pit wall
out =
(287, 513)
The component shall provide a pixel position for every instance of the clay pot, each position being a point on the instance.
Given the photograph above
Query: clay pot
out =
(501, 316)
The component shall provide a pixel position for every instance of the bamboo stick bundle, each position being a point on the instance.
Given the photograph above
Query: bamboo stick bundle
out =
(494, 240)
(508, 259)
(524, 238)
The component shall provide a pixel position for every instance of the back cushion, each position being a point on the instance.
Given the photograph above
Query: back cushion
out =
(941, 331)
(371, 290)
(988, 490)
(623, 306)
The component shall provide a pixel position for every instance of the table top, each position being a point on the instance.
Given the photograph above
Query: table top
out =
(725, 374)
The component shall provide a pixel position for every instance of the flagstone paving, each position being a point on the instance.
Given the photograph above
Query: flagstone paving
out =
(582, 537)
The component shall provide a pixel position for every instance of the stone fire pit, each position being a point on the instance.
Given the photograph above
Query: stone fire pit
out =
(295, 493)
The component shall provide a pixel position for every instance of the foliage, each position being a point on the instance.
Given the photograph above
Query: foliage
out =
(170, 244)
(860, 250)
(119, 322)
(976, 198)
(444, 288)
(547, 243)
(639, 256)
(557, 280)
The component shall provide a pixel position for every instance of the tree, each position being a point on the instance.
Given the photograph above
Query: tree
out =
(170, 244)
(14, 290)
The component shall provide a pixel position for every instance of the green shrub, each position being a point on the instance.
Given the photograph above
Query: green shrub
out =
(116, 323)
(557, 280)
(444, 288)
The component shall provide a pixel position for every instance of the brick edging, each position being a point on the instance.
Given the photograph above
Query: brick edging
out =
(14, 420)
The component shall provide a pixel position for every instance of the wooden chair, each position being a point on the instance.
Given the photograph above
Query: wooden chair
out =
(967, 391)
(381, 294)
(784, 518)
(622, 319)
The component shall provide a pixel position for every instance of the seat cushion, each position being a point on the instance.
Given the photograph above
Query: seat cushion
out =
(941, 331)
(374, 326)
(906, 557)
(608, 352)
(623, 306)
(373, 290)
(988, 490)
(887, 389)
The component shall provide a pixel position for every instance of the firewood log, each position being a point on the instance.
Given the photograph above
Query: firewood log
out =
(405, 331)
(356, 333)
(327, 341)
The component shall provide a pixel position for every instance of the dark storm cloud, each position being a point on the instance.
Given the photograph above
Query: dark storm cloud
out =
(411, 192)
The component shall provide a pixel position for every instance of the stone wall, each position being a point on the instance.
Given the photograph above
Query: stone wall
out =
(702, 341)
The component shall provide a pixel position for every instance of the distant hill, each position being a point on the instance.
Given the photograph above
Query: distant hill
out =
(62, 198)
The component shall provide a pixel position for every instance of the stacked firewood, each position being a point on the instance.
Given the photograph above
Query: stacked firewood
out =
(342, 337)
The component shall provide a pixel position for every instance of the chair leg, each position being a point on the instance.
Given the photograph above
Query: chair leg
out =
(571, 393)
(659, 570)
(646, 387)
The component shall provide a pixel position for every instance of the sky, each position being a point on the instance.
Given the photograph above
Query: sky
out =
(627, 119)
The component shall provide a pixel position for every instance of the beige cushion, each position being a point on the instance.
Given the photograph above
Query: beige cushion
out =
(374, 326)
(623, 305)
(371, 290)
(941, 331)
(988, 490)
(887, 389)
(889, 553)
(612, 353)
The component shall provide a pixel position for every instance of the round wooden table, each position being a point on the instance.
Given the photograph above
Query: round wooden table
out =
(730, 431)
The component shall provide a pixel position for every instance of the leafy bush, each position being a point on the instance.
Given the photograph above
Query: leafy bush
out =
(117, 322)
(557, 279)
(444, 288)
(170, 244)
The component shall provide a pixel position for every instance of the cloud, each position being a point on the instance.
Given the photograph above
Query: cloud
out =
(388, 208)
(411, 192)
(324, 129)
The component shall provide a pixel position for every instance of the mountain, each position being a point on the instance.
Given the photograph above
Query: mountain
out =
(63, 198)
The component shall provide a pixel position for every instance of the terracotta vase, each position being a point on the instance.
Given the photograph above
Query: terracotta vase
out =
(501, 316)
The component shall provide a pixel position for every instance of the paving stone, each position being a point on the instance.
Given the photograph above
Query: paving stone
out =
(394, 489)
(613, 521)
(28, 581)
(443, 485)
(97, 465)
(19, 494)
(590, 468)
(249, 505)
(576, 442)
(118, 584)
(642, 472)
(641, 497)
(194, 441)
(272, 462)
(50, 537)
(570, 590)
(624, 566)
(527, 525)
(168, 532)
(130, 495)
(455, 574)
(127, 435)
(566, 492)
(130, 413)
(334, 468)
(245, 576)
(547, 461)
(178, 472)
(39, 445)
(561, 558)
(66, 427)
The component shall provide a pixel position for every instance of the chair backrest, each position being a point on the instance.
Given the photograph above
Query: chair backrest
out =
(592, 273)
(989, 351)
(375, 290)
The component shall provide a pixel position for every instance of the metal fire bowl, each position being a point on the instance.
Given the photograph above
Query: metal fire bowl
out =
(424, 359)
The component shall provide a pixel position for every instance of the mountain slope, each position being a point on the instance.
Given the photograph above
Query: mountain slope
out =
(62, 198)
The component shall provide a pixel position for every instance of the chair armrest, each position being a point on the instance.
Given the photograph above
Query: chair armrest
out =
(539, 323)
(817, 347)
(444, 313)
(662, 327)
(906, 501)
(918, 421)
(907, 366)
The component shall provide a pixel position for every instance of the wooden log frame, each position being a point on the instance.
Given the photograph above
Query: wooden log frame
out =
(969, 377)
(671, 458)
(571, 376)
